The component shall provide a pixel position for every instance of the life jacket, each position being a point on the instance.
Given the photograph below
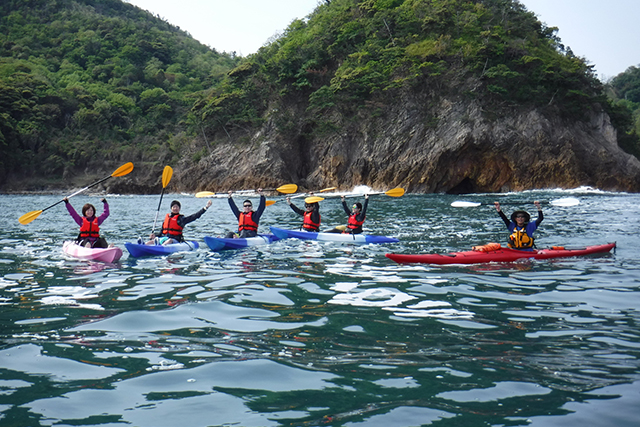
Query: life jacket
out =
(308, 224)
(354, 224)
(89, 229)
(246, 222)
(171, 228)
(519, 239)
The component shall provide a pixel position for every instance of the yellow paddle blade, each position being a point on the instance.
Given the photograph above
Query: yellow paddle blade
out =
(313, 199)
(28, 217)
(327, 189)
(167, 173)
(395, 192)
(123, 170)
(341, 227)
(205, 194)
(270, 202)
(287, 188)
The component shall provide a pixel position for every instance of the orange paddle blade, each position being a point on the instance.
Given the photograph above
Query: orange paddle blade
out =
(28, 217)
(123, 170)
(167, 173)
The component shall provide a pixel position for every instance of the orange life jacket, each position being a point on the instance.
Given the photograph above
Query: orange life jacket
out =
(171, 228)
(246, 222)
(519, 239)
(89, 229)
(354, 224)
(308, 224)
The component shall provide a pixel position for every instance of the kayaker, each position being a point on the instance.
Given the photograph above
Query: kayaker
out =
(311, 214)
(89, 236)
(173, 225)
(357, 215)
(520, 227)
(248, 219)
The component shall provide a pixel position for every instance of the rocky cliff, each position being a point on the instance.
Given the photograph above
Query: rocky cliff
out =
(461, 150)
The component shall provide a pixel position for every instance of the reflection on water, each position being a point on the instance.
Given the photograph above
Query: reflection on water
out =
(316, 333)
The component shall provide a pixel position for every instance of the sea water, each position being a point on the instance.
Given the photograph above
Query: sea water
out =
(307, 333)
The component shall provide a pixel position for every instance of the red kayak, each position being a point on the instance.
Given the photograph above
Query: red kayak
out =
(498, 255)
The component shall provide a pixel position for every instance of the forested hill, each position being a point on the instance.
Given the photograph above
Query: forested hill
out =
(431, 95)
(436, 96)
(88, 84)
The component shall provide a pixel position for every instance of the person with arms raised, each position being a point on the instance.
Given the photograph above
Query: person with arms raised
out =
(311, 214)
(357, 215)
(89, 224)
(173, 225)
(248, 219)
(520, 227)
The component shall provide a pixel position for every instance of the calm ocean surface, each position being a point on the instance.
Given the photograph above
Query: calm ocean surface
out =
(301, 333)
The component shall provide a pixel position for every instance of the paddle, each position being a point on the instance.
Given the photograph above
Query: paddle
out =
(324, 190)
(394, 192)
(167, 173)
(121, 171)
(286, 189)
(313, 199)
(563, 202)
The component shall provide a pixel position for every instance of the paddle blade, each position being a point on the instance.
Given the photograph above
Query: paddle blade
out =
(270, 202)
(287, 188)
(205, 194)
(123, 170)
(341, 227)
(395, 192)
(313, 199)
(28, 217)
(565, 201)
(324, 190)
(460, 204)
(167, 173)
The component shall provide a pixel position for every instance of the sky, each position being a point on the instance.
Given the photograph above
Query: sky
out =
(604, 32)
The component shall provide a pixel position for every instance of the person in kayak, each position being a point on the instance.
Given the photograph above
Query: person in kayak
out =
(357, 215)
(520, 227)
(248, 219)
(173, 225)
(89, 236)
(311, 214)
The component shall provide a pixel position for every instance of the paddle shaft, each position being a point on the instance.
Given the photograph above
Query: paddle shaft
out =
(77, 192)
(153, 230)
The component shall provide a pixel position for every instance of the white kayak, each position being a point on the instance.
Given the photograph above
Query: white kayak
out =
(281, 233)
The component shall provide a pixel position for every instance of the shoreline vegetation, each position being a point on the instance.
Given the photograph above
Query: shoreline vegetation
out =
(435, 96)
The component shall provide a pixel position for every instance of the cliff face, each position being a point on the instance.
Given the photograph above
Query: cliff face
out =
(461, 150)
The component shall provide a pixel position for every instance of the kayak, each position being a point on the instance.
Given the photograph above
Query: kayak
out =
(223, 244)
(139, 250)
(94, 254)
(498, 255)
(281, 233)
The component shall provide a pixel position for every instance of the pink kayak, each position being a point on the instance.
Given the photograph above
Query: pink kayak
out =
(498, 255)
(95, 254)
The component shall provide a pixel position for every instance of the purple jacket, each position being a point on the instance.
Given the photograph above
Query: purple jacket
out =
(78, 219)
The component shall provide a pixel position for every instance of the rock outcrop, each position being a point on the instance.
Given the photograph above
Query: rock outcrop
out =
(462, 149)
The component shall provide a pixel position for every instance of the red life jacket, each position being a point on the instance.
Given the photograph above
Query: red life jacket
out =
(308, 224)
(246, 222)
(354, 224)
(89, 229)
(171, 228)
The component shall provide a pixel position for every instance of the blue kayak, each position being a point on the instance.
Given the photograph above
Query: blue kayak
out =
(281, 233)
(136, 250)
(223, 244)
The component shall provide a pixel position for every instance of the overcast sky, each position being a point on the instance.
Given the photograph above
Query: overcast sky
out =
(605, 32)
